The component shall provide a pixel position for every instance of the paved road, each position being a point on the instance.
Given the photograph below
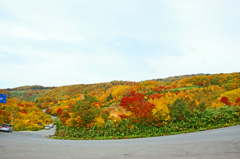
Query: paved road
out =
(219, 143)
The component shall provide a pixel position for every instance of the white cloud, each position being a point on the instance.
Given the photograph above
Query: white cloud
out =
(203, 55)
(60, 43)
(3, 56)
(11, 30)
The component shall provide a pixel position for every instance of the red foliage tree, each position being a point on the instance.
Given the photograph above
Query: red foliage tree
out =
(48, 110)
(200, 83)
(225, 100)
(64, 116)
(237, 100)
(59, 111)
(155, 95)
(141, 109)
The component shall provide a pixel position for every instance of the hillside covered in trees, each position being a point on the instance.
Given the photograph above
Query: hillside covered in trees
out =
(125, 109)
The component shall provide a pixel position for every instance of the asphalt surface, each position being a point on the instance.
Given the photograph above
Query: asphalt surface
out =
(218, 143)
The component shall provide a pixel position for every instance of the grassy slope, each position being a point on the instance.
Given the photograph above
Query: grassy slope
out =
(21, 94)
(17, 94)
(185, 88)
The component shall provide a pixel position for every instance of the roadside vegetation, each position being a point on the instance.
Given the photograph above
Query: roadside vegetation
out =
(124, 109)
(198, 121)
(21, 111)
(23, 115)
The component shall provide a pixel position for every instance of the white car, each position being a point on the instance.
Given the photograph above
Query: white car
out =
(6, 127)
(47, 127)
(51, 125)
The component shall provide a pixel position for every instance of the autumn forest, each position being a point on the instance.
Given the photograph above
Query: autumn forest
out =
(127, 109)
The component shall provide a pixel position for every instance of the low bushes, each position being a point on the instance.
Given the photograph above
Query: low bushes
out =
(196, 121)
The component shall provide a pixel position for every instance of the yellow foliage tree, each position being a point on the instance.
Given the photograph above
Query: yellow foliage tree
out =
(231, 95)
(120, 91)
(23, 115)
(99, 121)
(161, 109)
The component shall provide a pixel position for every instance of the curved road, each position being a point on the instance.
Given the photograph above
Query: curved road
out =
(218, 143)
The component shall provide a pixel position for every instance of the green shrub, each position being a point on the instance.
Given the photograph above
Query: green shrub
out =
(197, 121)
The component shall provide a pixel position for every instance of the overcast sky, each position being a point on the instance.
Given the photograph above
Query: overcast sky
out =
(60, 42)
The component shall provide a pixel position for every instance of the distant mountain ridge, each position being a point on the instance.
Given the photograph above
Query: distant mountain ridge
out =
(24, 88)
(175, 78)
(40, 87)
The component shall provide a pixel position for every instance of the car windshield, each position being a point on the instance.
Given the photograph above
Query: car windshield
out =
(5, 125)
(47, 126)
